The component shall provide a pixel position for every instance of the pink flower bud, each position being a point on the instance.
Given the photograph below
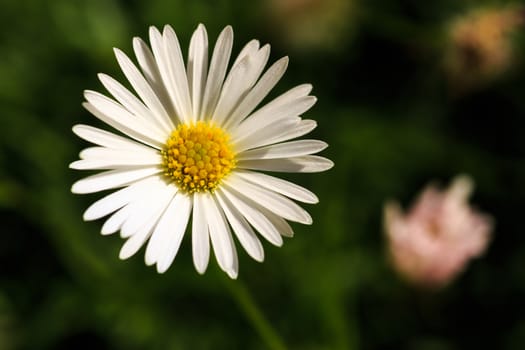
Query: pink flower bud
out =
(434, 240)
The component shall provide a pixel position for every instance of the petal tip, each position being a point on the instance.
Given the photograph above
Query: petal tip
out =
(125, 254)
(168, 29)
(259, 257)
(76, 128)
(228, 30)
(107, 229)
(76, 189)
(200, 269)
(232, 273)
(118, 52)
(162, 268)
(153, 29)
(148, 258)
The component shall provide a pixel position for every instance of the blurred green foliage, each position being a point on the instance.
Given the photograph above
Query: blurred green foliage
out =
(393, 121)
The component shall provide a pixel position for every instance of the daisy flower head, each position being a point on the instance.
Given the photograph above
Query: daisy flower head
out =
(192, 149)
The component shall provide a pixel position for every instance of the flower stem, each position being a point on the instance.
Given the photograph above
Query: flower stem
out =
(254, 315)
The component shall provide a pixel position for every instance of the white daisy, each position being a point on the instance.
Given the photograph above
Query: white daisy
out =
(194, 143)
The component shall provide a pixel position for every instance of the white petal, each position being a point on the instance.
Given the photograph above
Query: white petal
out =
(284, 133)
(107, 139)
(281, 186)
(161, 57)
(232, 89)
(115, 200)
(220, 236)
(166, 228)
(303, 128)
(105, 164)
(146, 62)
(200, 240)
(251, 211)
(305, 164)
(115, 221)
(280, 224)
(151, 72)
(107, 158)
(134, 243)
(197, 69)
(137, 240)
(270, 200)
(233, 272)
(285, 150)
(108, 153)
(130, 101)
(258, 61)
(217, 71)
(129, 125)
(264, 136)
(177, 77)
(249, 49)
(257, 93)
(293, 94)
(112, 179)
(242, 229)
(154, 201)
(239, 81)
(144, 90)
(266, 116)
(176, 232)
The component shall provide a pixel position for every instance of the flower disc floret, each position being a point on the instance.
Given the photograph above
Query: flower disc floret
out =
(197, 157)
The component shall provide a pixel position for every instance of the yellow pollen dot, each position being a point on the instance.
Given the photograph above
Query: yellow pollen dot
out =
(197, 157)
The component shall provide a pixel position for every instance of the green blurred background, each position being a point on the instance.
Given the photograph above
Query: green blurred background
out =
(399, 104)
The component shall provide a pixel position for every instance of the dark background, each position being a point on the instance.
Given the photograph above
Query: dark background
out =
(395, 118)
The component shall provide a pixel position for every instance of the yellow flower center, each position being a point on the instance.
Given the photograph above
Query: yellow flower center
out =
(197, 157)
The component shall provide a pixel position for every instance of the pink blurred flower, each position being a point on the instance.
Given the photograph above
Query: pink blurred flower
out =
(435, 239)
